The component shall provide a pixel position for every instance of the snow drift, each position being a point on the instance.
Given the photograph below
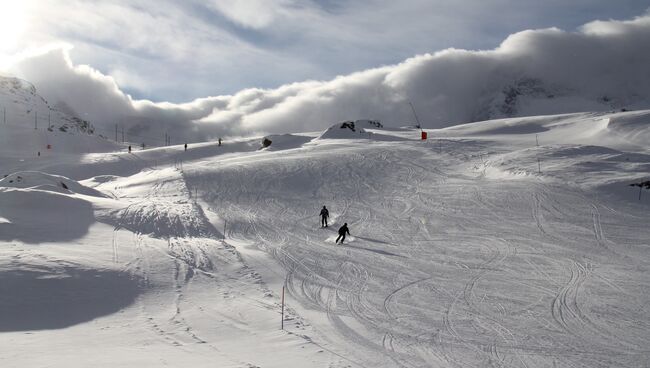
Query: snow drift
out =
(37, 216)
(46, 182)
(61, 214)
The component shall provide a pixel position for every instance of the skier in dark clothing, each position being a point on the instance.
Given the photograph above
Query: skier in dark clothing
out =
(324, 214)
(342, 231)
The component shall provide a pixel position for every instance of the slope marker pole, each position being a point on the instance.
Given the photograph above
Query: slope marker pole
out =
(224, 228)
(282, 314)
(416, 116)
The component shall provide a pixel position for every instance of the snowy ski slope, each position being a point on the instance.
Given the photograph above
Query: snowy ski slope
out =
(507, 243)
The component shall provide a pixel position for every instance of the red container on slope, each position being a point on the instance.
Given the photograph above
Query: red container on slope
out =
(424, 135)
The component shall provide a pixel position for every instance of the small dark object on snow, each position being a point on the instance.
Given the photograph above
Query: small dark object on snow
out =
(266, 142)
(64, 186)
(641, 185)
(348, 125)
(374, 123)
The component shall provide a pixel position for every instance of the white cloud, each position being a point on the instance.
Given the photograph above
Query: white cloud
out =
(252, 13)
(614, 27)
(225, 46)
(604, 65)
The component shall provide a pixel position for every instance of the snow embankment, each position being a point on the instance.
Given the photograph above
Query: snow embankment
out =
(628, 130)
(158, 203)
(46, 182)
(632, 126)
(38, 207)
(606, 150)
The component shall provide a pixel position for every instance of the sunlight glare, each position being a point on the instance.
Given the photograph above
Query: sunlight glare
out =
(12, 23)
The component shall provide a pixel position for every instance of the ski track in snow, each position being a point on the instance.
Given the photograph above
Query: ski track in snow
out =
(445, 266)
(473, 327)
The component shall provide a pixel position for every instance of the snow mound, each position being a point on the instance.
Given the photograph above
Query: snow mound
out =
(283, 141)
(163, 219)
(46, 182)
(511, 126)
(37, 216)
(344, 130)
(633, 126)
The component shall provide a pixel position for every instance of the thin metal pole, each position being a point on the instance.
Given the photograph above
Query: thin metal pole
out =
(35, 119)
(224, 228)
(536, 141)
(416, 116)
(282, 322)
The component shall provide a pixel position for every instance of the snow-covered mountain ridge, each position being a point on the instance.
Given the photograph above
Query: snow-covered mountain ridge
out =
(528, 96)
(21, 105)
(30, 125)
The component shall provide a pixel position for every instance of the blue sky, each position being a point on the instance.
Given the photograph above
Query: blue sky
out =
(181, 50)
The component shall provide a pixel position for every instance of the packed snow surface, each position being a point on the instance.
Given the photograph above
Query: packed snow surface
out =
(507, 243)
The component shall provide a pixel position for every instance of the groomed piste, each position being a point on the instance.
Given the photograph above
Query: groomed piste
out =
(517, 242)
